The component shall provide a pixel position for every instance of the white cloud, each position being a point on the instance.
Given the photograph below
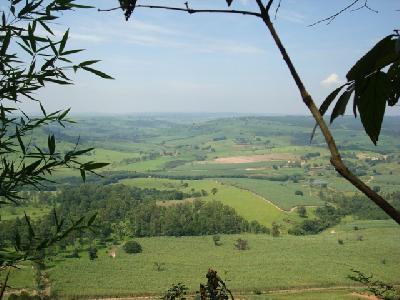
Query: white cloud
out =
(332, 79)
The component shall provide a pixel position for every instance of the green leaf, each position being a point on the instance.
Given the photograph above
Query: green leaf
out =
(88, 62)
(98, 73)
(72, 51)
(328, 100)
(381, 55)
(92, 219)
(83, 174)
(47, 28)
(30, 229)
(340, 107)
(6, 43)
(63, 42)
(93, 166)
(51, 142)
(31, 36)
(371, 100)
(21, 144)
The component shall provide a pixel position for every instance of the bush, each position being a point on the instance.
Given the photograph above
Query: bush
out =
(217, 240)
(302, 211)
(340, 241)
(132, 247)
(275, 232)
(176, 292)
(242, 244)
(92, 253)
(298, 193)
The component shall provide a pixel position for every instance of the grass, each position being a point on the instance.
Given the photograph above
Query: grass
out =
(271, 263)
(281, 194)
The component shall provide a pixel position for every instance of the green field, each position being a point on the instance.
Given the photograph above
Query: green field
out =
(286, 262)
(247, 204)
(281, 194)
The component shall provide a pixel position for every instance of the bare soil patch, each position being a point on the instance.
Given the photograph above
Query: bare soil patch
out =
(254, 158)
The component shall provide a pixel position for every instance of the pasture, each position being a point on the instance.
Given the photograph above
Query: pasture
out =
(285, 262)
(282, 194)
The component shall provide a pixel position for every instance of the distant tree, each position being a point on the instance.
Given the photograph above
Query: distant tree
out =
(217, 240)
(241, 244)
(132, 247)
(299, 193)
(92, 251)
(275, 231)
(302, 211)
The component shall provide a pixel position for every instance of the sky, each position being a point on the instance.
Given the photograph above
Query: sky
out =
(165, 61)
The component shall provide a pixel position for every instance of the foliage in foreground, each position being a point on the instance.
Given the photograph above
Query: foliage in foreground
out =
(378, 288)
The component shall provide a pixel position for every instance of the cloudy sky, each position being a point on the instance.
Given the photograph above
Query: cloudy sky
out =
(167, 61)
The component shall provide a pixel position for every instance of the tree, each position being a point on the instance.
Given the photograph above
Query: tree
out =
(275, 231)
(365, 76)
(92, 251)
(132, 247)
(31, 57)
(302, 211)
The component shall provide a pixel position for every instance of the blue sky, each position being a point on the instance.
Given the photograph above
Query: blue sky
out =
(166, 61)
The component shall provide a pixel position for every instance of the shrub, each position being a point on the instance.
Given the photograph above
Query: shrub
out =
(241, 244)
(92, 251)
(132, 247)
(302, 211)
(217, 240)
(275, 232)
(340, 241)
(298, 193)
(176, 292)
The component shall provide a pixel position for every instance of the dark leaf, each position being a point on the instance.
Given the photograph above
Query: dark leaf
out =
(51, 142)
(371, 103)
(63, 42)
(381, 55)
(98, 73)
(340, 107)
(229, 2)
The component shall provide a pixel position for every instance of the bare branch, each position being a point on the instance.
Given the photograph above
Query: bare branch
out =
(331, 18)
(365, 5)
(193, 11)
(269, 5)
(277, 8)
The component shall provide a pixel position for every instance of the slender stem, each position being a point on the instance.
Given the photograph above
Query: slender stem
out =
(336, 160)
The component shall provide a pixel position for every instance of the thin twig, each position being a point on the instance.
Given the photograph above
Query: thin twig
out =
(333, 17)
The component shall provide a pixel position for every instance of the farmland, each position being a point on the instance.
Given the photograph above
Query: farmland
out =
(270, 263)
(263, 168)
